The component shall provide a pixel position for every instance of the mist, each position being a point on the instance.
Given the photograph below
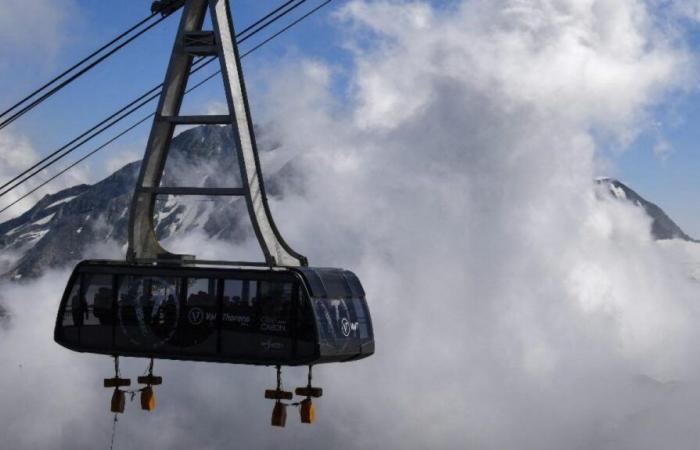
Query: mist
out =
(515, 304)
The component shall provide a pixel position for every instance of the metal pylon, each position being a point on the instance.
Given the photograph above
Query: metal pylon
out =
(220, 42)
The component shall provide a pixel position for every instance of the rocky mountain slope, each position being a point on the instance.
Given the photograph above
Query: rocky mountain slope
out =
(62, 227)
(662, 227)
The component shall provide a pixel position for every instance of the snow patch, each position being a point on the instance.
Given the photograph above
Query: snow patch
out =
(33, 237)
(618, 192)
(44, 220)
(65, 200)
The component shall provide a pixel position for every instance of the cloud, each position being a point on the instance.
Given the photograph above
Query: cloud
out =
(18, 154)
(514, 305)
(121, 159)
(663, 149)
(38, 26)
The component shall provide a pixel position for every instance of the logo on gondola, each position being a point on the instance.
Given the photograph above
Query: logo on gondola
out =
(346, 326)
(195, 316)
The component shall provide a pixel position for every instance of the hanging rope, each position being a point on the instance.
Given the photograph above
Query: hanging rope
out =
(114, 431)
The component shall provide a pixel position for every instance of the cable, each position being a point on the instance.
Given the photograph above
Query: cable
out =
(80, 73)
(286, 28)
(76, 65)
(252, 33)
(16, 181)
(110, 43)
(256, 23)
(114, 138)
(268, 23)
(209, 77)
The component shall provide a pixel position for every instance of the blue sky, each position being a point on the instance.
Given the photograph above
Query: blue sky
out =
(670, 181)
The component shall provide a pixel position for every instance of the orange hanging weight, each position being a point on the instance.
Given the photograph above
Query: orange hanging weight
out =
(307, 411)
(148, 399)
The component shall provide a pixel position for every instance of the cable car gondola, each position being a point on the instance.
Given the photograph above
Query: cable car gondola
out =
(159, 305)
(241, 315)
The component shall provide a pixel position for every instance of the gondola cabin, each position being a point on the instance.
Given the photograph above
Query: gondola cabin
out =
(281, 316)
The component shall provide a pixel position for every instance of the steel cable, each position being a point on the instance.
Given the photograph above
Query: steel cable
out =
(21, 178)
(77, 75)
(139, 122)
(76, 65)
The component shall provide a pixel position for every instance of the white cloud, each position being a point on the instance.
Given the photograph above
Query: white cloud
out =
(689, 9)
(37, 26)
(513, 308)
(16, 155)
(663, 149)
(216, 108)
(121, 159)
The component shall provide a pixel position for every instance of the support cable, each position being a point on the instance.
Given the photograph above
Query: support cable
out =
(83, 158)
(88, 135)
(16, 181)
(286, 28)
(241, 39)
(133, 126)
(77, 75)
(267, 16)
(76, 65)
(109, 44)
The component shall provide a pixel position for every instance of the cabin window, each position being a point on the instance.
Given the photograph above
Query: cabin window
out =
(72, 316)
(256, 317)
(98, 299)
(306, 325)
(148, 311)
(239, 316)
(336, 286)
(197, 332)
(72, 313)
(362, 318)
(275, 308)
(238, 303)
(97, 312)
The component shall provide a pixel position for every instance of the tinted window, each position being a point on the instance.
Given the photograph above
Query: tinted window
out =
(336, 286)
(197, 331)
(239, 318)
(354, 284)
(97, 317)
(364, 325)
(148, 312)
(256, 319)
(98, 299)
(275, 308)
(339, 323)
(306, 326)
(72, 313)
(238, 304)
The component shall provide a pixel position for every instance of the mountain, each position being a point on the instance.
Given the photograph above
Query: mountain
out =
(64, 227)
(662, 227)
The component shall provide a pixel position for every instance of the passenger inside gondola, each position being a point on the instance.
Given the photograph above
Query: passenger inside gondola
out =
(103, 305)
